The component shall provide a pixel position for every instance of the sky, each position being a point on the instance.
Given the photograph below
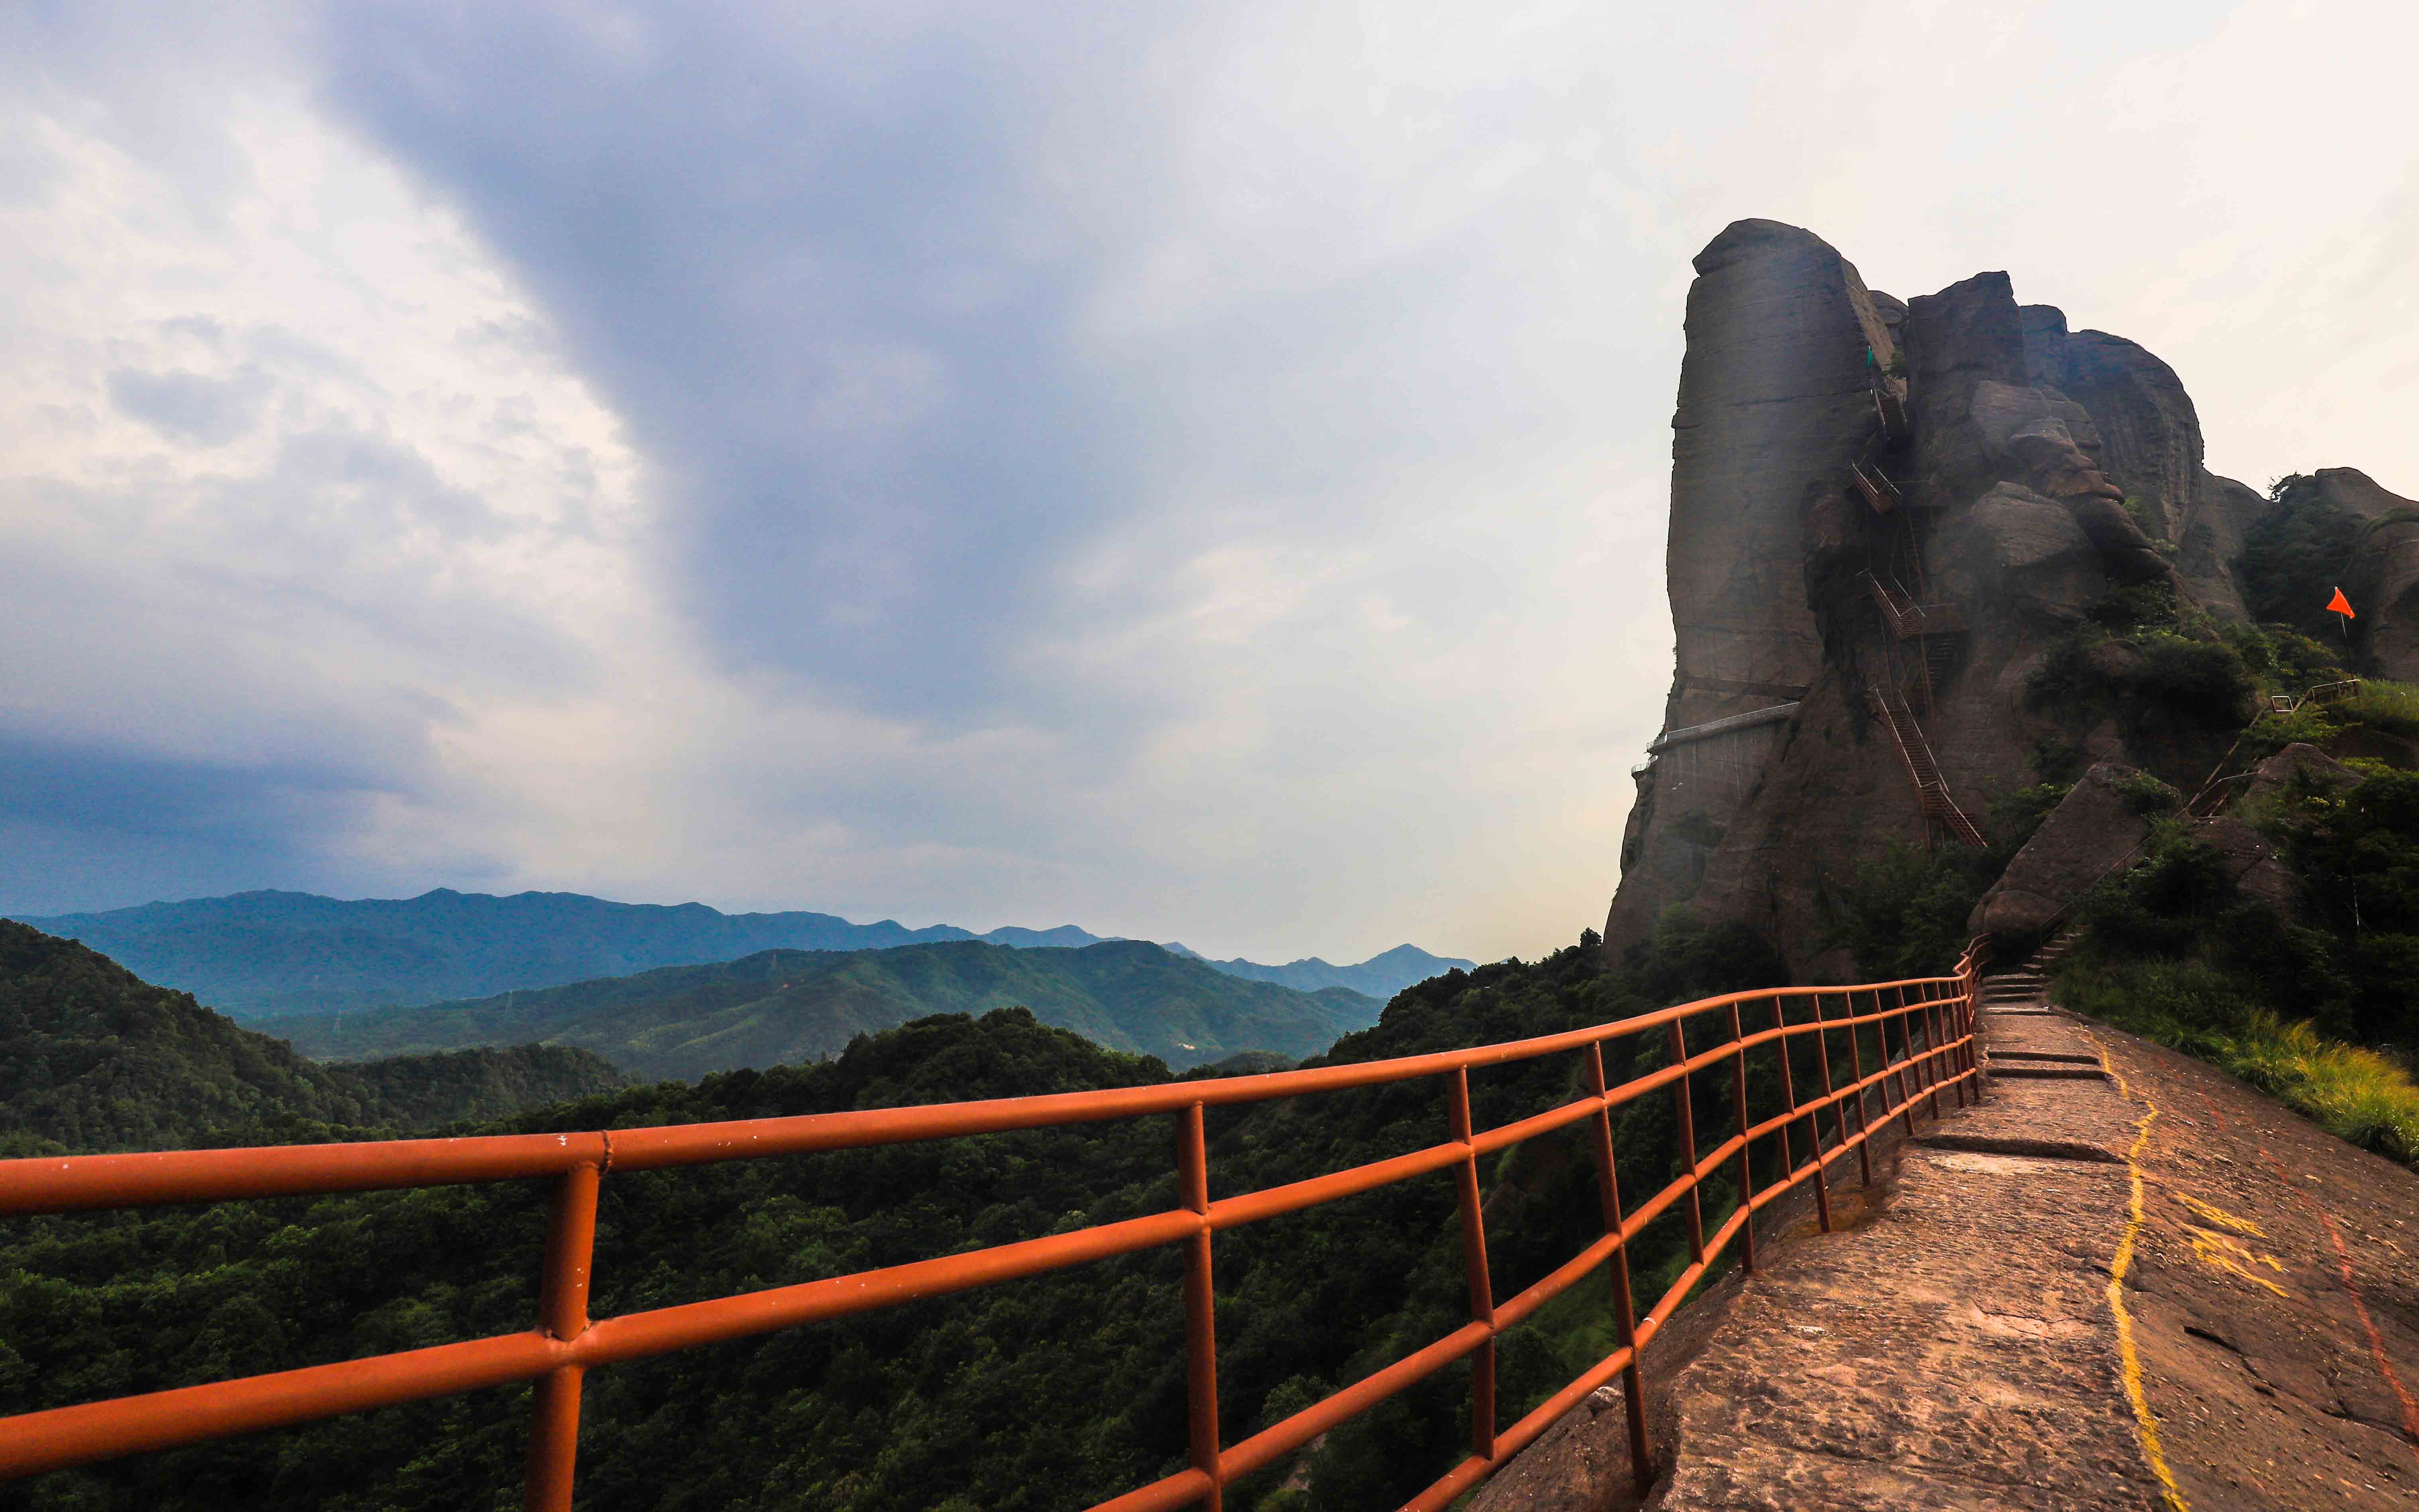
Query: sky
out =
(1197, 471)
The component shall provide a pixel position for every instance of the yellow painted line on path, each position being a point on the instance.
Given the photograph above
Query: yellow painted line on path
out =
(2146, 1427)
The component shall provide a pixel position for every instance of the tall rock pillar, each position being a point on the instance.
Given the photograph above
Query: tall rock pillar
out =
(1785, 349)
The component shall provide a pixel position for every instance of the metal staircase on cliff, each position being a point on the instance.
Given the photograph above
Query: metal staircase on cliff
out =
(1931, 790)
(1932, 627)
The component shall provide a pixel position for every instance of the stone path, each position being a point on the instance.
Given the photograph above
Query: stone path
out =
(1965, 1349)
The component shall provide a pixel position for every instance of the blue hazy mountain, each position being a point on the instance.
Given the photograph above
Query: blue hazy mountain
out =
(1379, 976)
(784, 1007)
(260, 955)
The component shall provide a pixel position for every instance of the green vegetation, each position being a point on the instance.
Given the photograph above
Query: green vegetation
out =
(1903, 914)
(783, 1006)
(93, 1058)
(2365, 1097)
(2147, 659)
(1044, 1394)
(261, 954)
(2294, 557)
(2323, 1012)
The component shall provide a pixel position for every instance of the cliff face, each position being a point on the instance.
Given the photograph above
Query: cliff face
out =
(1776, 400)
(1886, 518)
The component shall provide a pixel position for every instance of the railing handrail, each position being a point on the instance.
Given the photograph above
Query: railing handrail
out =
(1938, 1011)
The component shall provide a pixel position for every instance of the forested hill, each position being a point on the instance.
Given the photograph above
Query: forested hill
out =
(267, 954)
(780, 1007)
(93, 1058)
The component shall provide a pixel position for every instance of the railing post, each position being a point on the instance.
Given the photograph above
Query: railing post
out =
(1909, 1075)
(563, 1313)
(1935, 1064)
(1943, 1023)
(1473, 1252)
(1814, 1124)
(1200, 1306)
(1688, 1115)
(1746, 1169)
(1864, 1108)
(1633, 1379)
(1971, 982)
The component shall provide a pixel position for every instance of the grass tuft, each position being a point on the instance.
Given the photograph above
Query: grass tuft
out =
(2363, 1097)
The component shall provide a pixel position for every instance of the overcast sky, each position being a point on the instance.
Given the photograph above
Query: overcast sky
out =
(1194, 472)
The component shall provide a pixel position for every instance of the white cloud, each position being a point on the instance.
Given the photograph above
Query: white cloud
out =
(1192, 474)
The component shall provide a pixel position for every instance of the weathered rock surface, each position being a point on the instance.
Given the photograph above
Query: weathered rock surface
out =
(2014, 478)
(2092, 829)
(2029, 553)
(2382, 580)
(2298, 764)
(2251, 863)
(1776, 397)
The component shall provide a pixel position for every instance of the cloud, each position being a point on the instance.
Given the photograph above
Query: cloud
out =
(1197, 471)
(187, 406)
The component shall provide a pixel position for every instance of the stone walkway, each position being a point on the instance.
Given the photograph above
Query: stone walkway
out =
(1964, 1348)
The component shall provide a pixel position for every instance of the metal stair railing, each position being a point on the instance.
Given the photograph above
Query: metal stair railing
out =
(1907, 619)
(1931, 789)
(1880, 493)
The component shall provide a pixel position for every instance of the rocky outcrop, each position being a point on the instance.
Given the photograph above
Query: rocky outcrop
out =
(2148, 442)
(2297, 766)
(2093, 830)
(2382, 580)
(1892, 518)
(1786, 347)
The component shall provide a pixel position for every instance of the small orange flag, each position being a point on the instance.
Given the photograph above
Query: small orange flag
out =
(2340, 605)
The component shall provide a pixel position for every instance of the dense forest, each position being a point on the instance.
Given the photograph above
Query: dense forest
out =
(1050, 1393)
(778, 1007)
(94, 1058)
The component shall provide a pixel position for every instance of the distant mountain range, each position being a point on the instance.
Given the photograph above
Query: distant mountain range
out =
(782, 1007)
(92, 1057)
(259, 955)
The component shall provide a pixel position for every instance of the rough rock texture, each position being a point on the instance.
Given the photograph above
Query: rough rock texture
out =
(2036, 471)
(2301, 762)
(2092, 829)
(2382, 580)
(1775, 399)
(2257, 871)
(2148, 442)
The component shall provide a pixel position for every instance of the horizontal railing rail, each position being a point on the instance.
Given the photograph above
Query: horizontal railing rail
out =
(1933, 1019)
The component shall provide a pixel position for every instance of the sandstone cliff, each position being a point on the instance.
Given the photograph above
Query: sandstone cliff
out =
(1887, 522)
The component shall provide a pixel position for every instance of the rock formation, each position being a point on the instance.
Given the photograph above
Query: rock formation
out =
(1887, 520)
(2097, 828)
(2383, 578)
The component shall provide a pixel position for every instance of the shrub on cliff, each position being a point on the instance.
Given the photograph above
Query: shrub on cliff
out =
(2295, 554)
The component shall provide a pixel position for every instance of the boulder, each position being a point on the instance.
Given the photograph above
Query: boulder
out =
(2148, 443)
(2030, 553)
(2257, 872)
(2094, 830)
(2298, 763)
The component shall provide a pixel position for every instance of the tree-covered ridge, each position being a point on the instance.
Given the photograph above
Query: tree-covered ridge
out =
(92, 1057)
(269, 955)
(780, 1007)
(1046, 1394)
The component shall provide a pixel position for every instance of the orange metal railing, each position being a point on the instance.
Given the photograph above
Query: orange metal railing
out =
(1933, 1020)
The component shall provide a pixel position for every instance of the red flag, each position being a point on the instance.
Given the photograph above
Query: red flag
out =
(2340, 605)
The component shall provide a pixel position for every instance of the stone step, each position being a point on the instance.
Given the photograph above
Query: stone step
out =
(2089, 1073)
(2044, 1054)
